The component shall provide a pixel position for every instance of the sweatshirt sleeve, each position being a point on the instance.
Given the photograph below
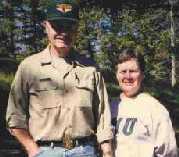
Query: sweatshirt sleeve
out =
(165, 141)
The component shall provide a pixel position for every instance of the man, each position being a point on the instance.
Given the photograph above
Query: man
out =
(143, 127)
(58, 103)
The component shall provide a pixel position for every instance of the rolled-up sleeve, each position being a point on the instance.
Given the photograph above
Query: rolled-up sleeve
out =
(104, 129)
(17, 108)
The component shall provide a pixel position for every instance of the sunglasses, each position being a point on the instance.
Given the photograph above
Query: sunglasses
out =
(66, 27)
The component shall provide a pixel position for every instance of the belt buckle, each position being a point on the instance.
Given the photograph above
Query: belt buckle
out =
(68, 142)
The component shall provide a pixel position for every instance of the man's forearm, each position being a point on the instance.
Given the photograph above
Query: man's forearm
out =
(106, 148)
(26, 140)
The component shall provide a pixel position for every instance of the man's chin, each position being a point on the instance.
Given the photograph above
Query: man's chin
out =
(63, 45)
(63, 50)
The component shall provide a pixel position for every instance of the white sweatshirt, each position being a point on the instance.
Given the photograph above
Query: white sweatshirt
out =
(144, 129)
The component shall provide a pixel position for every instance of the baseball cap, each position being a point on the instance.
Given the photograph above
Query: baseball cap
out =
(63, 11)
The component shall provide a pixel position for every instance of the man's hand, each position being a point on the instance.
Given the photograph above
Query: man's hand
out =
(106, 148)
(26, 140)
(33, 151)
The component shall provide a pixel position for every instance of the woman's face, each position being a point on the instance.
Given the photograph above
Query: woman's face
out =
(129, 77)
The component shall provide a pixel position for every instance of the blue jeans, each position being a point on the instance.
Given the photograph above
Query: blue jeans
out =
(86, 150)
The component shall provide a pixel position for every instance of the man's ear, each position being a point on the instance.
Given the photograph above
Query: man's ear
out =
(44, 23)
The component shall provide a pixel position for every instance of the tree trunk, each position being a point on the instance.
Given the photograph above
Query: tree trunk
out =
(173, 70)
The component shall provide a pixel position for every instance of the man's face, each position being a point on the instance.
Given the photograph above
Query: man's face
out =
(60, 36)
(129, 77)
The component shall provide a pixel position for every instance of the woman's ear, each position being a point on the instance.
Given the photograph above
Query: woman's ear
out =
(116, 71)
(143, 76)
(117, 76)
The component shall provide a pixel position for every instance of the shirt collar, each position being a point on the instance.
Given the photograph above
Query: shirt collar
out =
(46, 58)
(72, 58)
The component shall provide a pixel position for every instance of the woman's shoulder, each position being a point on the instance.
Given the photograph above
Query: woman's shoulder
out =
(153, 103)
(114, 104)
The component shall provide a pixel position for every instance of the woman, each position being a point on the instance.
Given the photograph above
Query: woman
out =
(143, 127)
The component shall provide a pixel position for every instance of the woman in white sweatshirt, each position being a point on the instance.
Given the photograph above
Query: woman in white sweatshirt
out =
(143, 127)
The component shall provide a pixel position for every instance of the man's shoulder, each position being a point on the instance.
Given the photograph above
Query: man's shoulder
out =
(33, 59)
(83, 60)
(86, 61)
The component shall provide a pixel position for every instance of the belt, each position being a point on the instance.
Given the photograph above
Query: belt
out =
(69, 143)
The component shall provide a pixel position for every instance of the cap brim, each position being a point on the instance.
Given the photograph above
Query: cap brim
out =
(63, 20)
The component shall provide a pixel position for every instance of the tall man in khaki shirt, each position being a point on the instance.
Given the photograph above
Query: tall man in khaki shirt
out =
(58, 103)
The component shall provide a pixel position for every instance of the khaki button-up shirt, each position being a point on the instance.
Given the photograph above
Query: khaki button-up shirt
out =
(51, 96)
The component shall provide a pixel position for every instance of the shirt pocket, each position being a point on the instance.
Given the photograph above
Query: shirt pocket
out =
(50, 95)
(84, 90)
(46, 84)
